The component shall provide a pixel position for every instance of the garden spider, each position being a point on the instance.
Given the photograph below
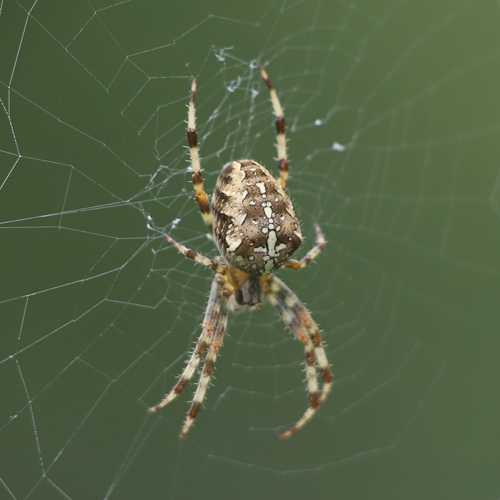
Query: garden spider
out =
(256, 231)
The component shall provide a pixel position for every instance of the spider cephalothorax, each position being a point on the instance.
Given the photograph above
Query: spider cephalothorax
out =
(256, 231)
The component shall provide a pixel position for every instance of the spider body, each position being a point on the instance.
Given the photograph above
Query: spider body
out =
(255, 226)
(253, 223)
(248, 289)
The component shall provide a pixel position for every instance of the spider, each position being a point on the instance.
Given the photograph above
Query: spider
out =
(253, 223)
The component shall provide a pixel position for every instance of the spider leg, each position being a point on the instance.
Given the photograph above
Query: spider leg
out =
(209, 323)
(194, 153)
(311, 255)
(198, 257)
(280, 130)
(215, 343)
(299, 320)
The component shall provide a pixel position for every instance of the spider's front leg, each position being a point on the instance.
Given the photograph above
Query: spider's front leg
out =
(299, 320)
(212, 335)
(215, 343)
(211, 320)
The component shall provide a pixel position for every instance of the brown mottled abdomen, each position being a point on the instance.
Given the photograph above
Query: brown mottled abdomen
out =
(255, 225)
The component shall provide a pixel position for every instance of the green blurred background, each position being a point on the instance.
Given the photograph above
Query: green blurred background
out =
(393, 116)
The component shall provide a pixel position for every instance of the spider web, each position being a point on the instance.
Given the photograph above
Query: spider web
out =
(393, 123)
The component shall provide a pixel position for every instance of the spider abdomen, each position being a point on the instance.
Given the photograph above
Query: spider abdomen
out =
(255, 226)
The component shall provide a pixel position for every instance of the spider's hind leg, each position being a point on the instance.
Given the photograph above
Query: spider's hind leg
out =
(280, 130)
(194, 153)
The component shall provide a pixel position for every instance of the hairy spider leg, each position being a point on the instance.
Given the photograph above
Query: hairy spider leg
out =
(198, 257)
(194, 153)
(280, 130)
(210, 322)
(215, 343)
(309, 256)
(299, 321)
